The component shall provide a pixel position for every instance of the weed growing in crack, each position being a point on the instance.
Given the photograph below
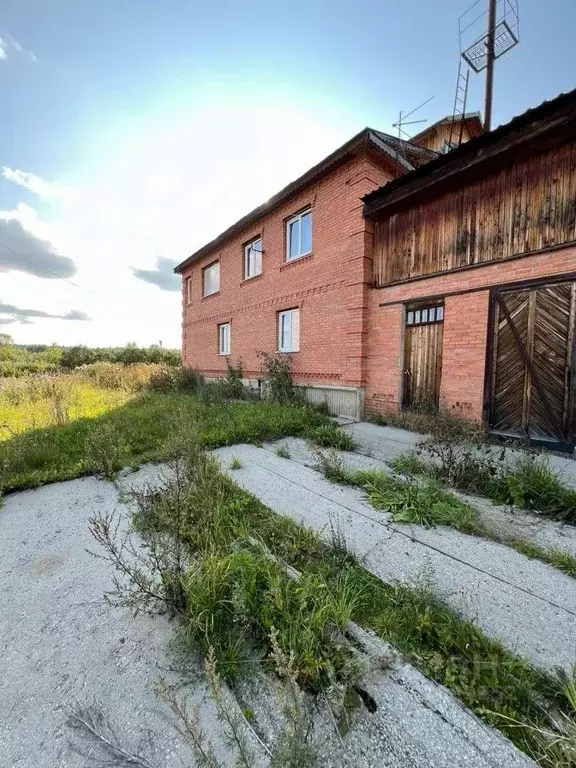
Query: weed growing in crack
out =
(187, 723)
(235, 463)
(331, 436)
(458, 461)
(104, 746)
(295, 748)
(282, 452)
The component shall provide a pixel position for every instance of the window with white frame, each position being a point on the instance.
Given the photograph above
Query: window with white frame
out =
(299, 235)
(188, 289)
(211, 279)
(253, 258)
(224, 339)
(289, 331)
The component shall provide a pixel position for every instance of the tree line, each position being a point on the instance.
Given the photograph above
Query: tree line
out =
(23, 359)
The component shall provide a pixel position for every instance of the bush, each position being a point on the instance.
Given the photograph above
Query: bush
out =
(182, 379)
(278, 372)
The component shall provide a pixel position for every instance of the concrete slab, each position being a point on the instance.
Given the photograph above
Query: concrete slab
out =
(62, 643)
(505, 521)
(526, 605)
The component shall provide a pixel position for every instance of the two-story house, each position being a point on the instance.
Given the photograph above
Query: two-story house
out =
(399, 274)
(293, 275)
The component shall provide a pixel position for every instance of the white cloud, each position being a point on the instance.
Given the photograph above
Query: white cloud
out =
(163, 188)
(8, 43)
(35, 184)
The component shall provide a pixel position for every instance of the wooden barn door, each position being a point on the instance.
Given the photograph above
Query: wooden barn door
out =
(533, 363)
(423, 356)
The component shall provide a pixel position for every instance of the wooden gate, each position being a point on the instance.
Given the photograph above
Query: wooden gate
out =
(423, 355)
(533, 362)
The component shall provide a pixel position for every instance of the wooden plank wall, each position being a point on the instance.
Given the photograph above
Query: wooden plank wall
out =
(526, 207)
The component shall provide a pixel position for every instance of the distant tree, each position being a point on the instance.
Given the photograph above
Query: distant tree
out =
(6, 340)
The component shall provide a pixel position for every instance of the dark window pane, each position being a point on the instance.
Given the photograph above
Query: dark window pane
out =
(294, 239)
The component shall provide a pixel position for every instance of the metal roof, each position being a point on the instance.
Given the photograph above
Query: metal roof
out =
(395, 149)
(442, 165)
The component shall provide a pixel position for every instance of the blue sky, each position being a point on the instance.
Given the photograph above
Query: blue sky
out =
(135, 130)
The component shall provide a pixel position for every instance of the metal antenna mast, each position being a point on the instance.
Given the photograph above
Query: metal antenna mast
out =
(480, 51)
(490, 56)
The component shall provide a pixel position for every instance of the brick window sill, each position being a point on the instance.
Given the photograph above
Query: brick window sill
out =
(210, 296)
(295, 262)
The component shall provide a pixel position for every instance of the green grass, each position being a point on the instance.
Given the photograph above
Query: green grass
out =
(142, 430)
(424, 502)
(409, 501)
(329, 435)
(527, 482)
(236, 595)
(557, 558)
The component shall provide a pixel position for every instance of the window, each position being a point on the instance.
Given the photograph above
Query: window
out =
(224, 339)
(211, 277)
(425, 315)
(253, 259)
(289, 331)
(188, 289)
(299, 235)
(447, 146)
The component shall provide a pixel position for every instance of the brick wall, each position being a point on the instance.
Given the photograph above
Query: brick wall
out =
(465, 329)
(330, 287)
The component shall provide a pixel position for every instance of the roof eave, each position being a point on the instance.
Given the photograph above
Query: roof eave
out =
(448, 165)
(353, 145)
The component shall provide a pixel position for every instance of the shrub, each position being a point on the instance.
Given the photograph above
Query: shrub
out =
(278, 372)
(182, 379)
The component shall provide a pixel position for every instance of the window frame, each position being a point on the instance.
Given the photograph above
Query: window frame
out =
(204, 271)
(188, 289)
(228, 337)
(248, 247)
(424, 314)
(292, 220)
(293, 347)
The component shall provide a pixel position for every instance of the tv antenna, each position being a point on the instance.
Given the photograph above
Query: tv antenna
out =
(481, 45)
(402, 119)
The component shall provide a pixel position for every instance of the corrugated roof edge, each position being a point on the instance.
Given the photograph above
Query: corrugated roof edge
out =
(365, 136)
(470, 147)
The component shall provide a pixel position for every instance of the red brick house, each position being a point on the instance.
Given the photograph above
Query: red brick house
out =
(396, 275)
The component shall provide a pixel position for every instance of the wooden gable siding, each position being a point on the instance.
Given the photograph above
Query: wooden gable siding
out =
(526, 207)
(435, 139)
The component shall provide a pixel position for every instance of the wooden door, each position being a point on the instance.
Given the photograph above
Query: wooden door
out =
(423, 355)
(533, 362)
